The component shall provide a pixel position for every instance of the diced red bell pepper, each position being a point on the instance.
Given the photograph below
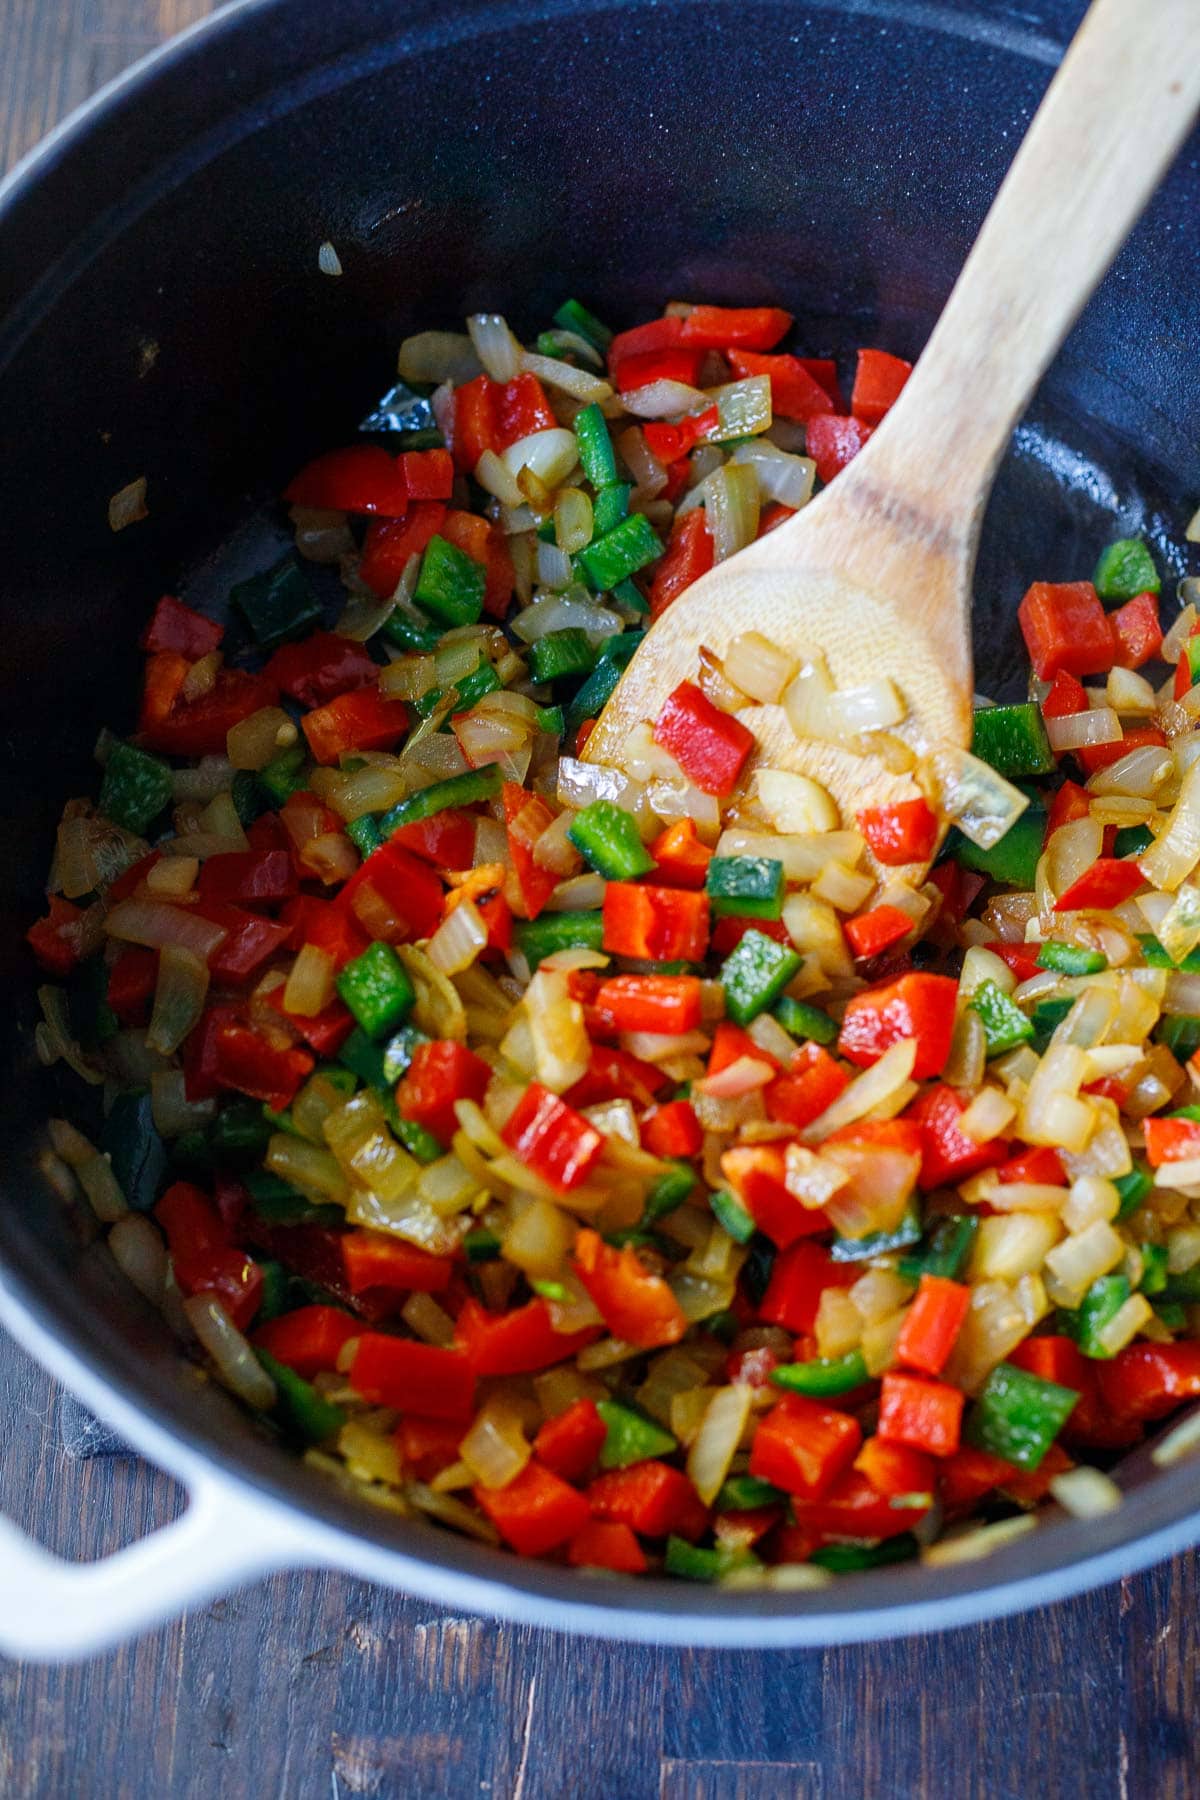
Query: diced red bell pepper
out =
(774, 515)
(932, 1324)
(536, 1512)
(728, 932)
(968, 1475)
(526, 817)
(871, 933)
(1042, 1166)
(440, 1073)
(903, 832)
(320, 667)
(803, 1446)
(487, 545)
(363, 720)
(521, 409)
(1137, 630)
(309, 1340)
(832, 441)
(730, 1044)
(948, 1155)
(615, 1075)
(391, 543)
(131, 984)
(1065, 627)
(671, 442)
(1018, 957)
(959, 889)
(518, 1342)
(672, 1130)
(668, 1004)
(362, 478)
(374, 1259)
(604, 1544)
(200, 1078)
(757, 1174)
(428, 474)
(798, 1279)
(1146, 1381)
(174, 626)
(491, 415)
(795, 392)
(200, 727)
(427, 1446)
(710, 746)
(325, 1032)
(659, 365)
(823, 370)
(1094, 757)
(571, 1441)
(54, 939)
(162, 683)
(1171, 1140)
(394, 896)
(682, 859)
(917, 1006)
(553, 1140)
(1108, 882)
(247, 1062)
(1067, 696)
(644, 340)
(447, 840)
(741, 327)
(853, 1508)
(655, 924)
(878, 380)
(897, 1471)
(637, 1306)
(247, 878)
(652, 1498)
(813, 1082)
(416, 1378)
(688, 555)
(1071, 802)
(204, 1260)
(326, 924)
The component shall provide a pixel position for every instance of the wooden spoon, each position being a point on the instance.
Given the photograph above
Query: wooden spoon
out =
(876, 572)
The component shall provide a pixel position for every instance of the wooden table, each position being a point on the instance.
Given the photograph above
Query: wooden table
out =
(318, 1686)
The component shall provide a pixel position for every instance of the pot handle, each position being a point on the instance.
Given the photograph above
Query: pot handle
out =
(57, 1611)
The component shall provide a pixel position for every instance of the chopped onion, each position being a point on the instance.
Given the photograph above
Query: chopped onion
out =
(553, 566)
(550, 455)
(787, 480)
(1184, 1439)
(670, 800)
(664, 400)
(1179, 929)
(1074, 731)
(141, 1256)
(981, 803)
(872, 707)
(495, 1448)
(495, 478)
(255, 741)
(758, 667)
(234, 1360)
(581, 384)
(438, 356)
(648, 473)
(572, 520)
(128, 505)
(580, 893)
(867, 1091)
(458, 940)
(495, 346)
(1175, 852)
(559, 1036)
(731, 505)
(560, 612)
(1130, 693)
(54, 1040)
(309, 988)
(102, 1188)
(803, 854)
(744, 407)
(795, 804)
(172, 1111)
(555, 851)
(716, 1442)
(979, 1541)
(364, 615)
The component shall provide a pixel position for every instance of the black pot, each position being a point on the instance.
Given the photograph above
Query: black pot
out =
(162, 314)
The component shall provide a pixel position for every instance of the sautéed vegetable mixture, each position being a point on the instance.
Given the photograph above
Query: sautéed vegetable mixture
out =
(647, 1168)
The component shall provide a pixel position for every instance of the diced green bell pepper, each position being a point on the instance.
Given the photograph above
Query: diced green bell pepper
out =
(1133, 1188)
(669, 1191)
(1070, 959)
(408, 633)
(456, 790)
(136, 788)
(559, 654)
(755, 973)
(1183, 1287)
(624, 550)
(608, 837)
(450, 585)
(541, 937)
(572, 315)
(822, 1375)
(471, 688)
(378, 989)
(550, 718)
(273, 1295)
(277, 604)
(616, 653)
(1013, 740)
(803, 1021)
(1014, 859)
(749, 887)
(846, 1559)
(249, 801)
(1046, 1017)
(610, 506)
(1154, 1269)
(301, 1411)
(276, 1202)
(481, 1245)
(399, 1051)
(1180, 1032)
(364, 833)
(879, 1243)
(596, 457)
(239, 1133)
(1131, 840)
(1018, 1415)
(945, 1249)
(628, 594)
(1126, 568)
(631, 1436)
(1004, 1024)
(1156, 957)
(285, 774)
(742, 1493)
(732, 1216)
(130, 1140)
(1103, 1300)
(696, 1562)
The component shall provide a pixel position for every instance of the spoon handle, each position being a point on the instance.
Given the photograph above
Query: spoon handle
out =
(1113, 118)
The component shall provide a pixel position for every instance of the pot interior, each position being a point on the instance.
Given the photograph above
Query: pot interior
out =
(162, 314)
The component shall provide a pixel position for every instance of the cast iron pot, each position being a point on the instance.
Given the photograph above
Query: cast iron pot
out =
(162, 314)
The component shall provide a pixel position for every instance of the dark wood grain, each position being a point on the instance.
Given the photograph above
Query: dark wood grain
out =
(317, 1686)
